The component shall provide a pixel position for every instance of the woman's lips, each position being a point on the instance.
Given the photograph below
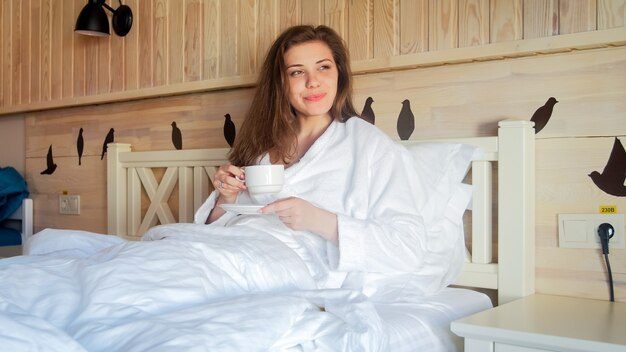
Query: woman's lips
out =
(315, 97)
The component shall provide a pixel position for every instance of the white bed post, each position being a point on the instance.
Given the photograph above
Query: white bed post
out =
(516, 207)
(116, 186)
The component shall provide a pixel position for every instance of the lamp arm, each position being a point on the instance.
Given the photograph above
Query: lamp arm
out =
(108, 7)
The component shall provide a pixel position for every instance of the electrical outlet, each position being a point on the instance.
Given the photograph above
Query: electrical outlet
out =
(581, 230)
(69, 204)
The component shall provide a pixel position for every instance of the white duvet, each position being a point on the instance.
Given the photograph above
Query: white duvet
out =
(248, 283)
(181, 290)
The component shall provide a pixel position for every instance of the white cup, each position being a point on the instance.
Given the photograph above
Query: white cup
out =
(264, 178)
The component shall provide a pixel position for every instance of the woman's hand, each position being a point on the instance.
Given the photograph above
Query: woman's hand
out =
(300, 215)
(228, 181)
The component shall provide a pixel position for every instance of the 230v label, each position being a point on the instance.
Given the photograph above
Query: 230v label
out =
(608, 209)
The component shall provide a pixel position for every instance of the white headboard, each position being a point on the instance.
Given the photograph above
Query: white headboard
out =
(513, 275)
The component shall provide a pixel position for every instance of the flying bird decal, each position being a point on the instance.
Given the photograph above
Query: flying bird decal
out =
(612, 178)
(50, 165)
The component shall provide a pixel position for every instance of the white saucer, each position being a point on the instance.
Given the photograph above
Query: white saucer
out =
(242, 208)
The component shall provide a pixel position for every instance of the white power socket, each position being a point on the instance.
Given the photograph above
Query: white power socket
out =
(69, 204)
(581, 230)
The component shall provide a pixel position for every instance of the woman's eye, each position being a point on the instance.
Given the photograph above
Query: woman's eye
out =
(324, 67)
(295, 73)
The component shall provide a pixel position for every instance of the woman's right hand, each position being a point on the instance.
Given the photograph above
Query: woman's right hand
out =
(229, 181)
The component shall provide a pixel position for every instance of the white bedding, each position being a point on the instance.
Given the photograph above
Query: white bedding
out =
(253, 284)
(186, 291)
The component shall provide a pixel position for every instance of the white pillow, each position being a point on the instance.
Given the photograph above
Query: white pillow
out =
(439, 170)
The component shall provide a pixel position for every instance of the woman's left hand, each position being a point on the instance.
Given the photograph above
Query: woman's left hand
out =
(300, 215)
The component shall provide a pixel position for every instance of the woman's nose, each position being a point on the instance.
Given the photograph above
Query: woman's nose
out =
(312, 81)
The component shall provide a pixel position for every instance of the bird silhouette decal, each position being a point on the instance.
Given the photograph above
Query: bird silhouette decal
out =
(368, 114)
(229, 130)
(110, 138)
(612, 178)
(406, 121)
(80, 145)
(177, 136)
(542, 114)
(50, 165)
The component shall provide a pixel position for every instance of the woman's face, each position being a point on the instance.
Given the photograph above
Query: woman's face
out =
(312, 77)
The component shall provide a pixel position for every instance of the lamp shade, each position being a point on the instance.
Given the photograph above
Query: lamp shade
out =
(93, 20)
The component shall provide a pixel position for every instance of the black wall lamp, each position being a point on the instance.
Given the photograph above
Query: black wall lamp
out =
(93, 20)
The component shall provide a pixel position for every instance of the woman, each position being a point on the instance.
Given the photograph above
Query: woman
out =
(346, 182)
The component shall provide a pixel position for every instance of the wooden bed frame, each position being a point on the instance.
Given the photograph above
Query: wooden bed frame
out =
(513, 275)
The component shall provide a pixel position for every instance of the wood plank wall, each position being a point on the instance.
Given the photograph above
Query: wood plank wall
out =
(460, 99)
(177, 46)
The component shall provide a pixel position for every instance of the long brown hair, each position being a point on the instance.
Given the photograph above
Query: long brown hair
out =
(270, 123)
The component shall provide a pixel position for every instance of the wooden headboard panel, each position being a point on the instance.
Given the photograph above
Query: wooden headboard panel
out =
(513, 275)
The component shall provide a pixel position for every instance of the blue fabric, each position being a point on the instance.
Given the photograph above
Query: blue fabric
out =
(13, 190)
(10, 237)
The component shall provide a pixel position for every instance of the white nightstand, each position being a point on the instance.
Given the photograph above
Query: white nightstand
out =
(546, 323)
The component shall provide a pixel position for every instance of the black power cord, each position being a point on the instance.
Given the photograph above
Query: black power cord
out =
(606, 231)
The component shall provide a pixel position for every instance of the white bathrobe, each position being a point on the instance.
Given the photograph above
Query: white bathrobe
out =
(357, 172)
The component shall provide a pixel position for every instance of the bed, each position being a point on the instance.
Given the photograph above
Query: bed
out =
(88, 291)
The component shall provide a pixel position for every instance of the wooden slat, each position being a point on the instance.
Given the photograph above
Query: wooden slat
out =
(506, 20)
(185, 194)
(229, 29)
(443, 24)
(81, 42)
(247, 55)
(22, 44)
(577, 16)
(45, 54)
(482, 234)
(541, 18)
(144, 29)
(288, 13)
(117, 64)
(335, 16)
(611, 13)
(104, 64)
(2, 51)
(385, 30)
(56, 50)
(5, 61)
(131, 50)
(312, 12)
(159, 47)
(91, 63)
(200, 186)
(67, 45)
(268, 27)
(212, 39)
(193, 40)
(473, 22)
(413, 26)
(33, 63)
(133, 201)
(360, 38)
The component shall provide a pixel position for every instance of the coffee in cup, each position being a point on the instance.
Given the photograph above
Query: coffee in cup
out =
(264, 178)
